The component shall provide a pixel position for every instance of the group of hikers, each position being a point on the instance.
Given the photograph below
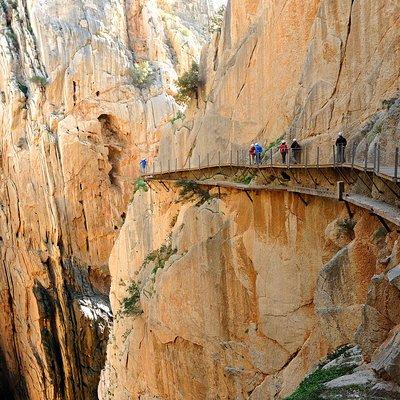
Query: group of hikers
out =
(256, 152)
(295, 151)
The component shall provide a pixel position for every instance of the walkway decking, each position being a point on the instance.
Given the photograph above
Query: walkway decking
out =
(218, 175)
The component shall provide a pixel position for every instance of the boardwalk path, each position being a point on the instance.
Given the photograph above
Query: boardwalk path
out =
(368, 185)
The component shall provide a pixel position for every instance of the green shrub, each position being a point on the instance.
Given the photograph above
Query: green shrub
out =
(131, 303)
(179, 115)
(140, 185)
(217, 20)
(39, 80)
(337, 353)
(143, 74)
(246, 179)
(188, 85)
(191, 190)
(312, 386)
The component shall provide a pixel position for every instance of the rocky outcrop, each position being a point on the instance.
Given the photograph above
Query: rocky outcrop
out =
(73, 127)
(241, 307)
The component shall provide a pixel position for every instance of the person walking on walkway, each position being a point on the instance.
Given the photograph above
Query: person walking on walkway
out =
(252, 153)
(283, 149)
(259, 151)
(143, 165)
(341, 144)
(296, 151)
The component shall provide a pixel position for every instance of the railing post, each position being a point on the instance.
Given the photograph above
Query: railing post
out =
(154, 166)
(231, 157)
(318, 157)
(189, 161)
(176, 164)
(219, 158)
(379, 158)
(237, 157)
(208, 160)
(169, 165)
(161, 167)
(340, 190)
(334, 155)
(199, 161)
(306, 156)
(366, 157)
(270, 151)
(396, 164)
(353, 155)
(288, 159)
(375, 155)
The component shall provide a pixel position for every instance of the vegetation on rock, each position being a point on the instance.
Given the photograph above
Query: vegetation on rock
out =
(191, 190)
(143, 74)
(39, 80)
(187, 85)
(131, 303)
(217, 20)
(159, 257)
(140, 186)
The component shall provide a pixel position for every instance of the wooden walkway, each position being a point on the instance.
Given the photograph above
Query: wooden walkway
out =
(210, 175)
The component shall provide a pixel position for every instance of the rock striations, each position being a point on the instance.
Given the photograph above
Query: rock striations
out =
(73, 126)
(210, 299)
(237, 299)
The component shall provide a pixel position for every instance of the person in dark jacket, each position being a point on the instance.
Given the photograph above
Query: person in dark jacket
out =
(341, 144)
(296, 151)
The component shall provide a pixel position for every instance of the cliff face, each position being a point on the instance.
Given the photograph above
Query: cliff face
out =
(248, 297)
(234, 299)
(73, 127)
(295, 68)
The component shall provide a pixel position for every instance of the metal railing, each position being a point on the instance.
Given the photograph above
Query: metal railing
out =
(366, 158)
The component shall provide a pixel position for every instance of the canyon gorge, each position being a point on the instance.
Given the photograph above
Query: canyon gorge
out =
(110, 290)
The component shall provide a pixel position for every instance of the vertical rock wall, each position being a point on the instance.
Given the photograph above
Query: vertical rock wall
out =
(73, 127)
(249, 297)
(304, 69)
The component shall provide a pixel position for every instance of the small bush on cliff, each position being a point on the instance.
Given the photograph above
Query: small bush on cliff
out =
(159, 257)
(140, 185)
(312, 386)
(187, 85)
(178, 116)
(143, 74)
(217, 20)
(131, 304)
(39, 80)
(246, 179)
(192, 190)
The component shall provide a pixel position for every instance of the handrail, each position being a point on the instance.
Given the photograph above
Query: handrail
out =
(378, 166)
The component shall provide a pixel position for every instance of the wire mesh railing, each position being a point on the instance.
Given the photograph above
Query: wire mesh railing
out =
(370, 158)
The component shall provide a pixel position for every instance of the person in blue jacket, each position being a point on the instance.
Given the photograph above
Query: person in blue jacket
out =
(143, 165)
(259, 150)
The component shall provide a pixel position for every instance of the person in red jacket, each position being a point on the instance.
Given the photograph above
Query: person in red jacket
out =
(283, 149)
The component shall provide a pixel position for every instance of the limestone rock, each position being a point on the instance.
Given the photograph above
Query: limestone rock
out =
(386, 359)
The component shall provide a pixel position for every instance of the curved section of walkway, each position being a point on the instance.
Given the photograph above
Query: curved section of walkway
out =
(354, 183)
